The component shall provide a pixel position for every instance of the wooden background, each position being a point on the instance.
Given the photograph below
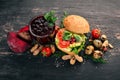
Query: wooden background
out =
(103, 14)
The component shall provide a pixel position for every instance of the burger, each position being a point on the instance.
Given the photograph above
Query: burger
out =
(71, 38)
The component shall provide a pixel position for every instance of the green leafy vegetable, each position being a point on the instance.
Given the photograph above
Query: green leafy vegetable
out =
(77, 37)
(75, 50)
(82, 46)
(65, 13)
(51, 24)
(58, 54)
(67, 35)
(100, 60)
(50, 17)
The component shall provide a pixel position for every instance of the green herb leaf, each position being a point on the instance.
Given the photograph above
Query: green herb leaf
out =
(82, 46)
(58, 54)
(51, 24)
(65, 14)
(75, 50)
(77, 37)
(50, 17)
(67, 35)
(53, 19)
(100, 60)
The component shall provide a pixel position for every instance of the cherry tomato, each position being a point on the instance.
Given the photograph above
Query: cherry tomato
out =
(96, 33)
(46, 51)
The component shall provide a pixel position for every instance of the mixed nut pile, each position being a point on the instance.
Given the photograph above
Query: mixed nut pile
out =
(99, 44)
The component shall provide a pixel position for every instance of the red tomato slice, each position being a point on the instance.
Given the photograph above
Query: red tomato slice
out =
(64, 44)
(59, 35)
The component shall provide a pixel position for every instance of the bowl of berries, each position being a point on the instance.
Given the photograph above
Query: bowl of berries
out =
(42, 27)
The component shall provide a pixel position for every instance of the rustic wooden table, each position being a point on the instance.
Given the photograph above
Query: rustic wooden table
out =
(103, 14)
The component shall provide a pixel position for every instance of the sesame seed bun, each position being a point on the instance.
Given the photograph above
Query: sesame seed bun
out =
(76, 24)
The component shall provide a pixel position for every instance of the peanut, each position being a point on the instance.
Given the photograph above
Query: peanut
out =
(37, 51)
(52, 48)
(105, 43)
(34, 48)
(78, 58)
(72, 61)
(66, 57)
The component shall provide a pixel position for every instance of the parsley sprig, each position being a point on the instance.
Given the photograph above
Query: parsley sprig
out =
(67, 35)
(58, 53)
(65, 14)
(50, 17)
(100, 60)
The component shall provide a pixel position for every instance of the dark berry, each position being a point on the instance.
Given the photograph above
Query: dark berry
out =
(40, 27)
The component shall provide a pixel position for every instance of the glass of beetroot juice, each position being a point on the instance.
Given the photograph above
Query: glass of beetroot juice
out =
(41, 29)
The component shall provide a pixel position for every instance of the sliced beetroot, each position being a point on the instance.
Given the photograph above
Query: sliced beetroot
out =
(25, 28)
(16, 44)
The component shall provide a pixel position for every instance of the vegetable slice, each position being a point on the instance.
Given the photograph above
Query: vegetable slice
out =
(64, 44)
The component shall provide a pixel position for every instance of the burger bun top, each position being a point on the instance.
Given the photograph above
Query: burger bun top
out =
(76, 24)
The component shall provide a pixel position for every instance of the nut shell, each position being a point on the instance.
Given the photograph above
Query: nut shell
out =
(103, 37)
(72, 61)
(97, 54)
(89, 49)
(97, 43)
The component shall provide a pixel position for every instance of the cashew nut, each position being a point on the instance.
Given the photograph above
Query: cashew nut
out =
(105, 43)
(89, 49)
(97, 43)
(103, 37)
(97, 54)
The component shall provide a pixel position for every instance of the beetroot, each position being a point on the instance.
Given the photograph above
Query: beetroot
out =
(16, 44)
(25, 28)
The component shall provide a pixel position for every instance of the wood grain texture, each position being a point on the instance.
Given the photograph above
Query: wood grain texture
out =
(103, 14)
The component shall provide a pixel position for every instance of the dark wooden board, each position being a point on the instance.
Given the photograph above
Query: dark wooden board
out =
(103, 14)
